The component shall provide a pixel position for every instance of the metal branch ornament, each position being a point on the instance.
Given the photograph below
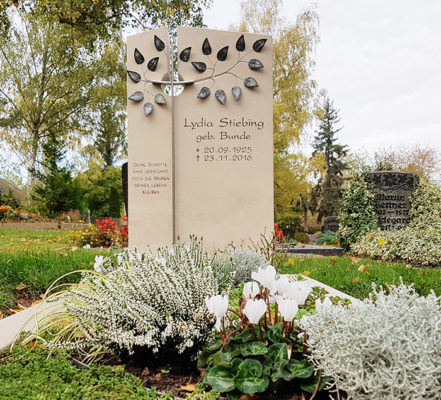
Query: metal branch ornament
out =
(222, 55)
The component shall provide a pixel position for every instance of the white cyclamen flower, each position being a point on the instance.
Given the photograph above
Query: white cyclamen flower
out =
(319, 305)
(99, 261)
(254, 309)
(217, 305)
(298, 291)
(288, 308)
(266, 277)
(251, 290)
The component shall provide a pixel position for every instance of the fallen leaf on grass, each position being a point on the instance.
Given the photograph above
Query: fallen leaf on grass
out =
(31, 345)
(356, 280)
(362, 268)
(188, 388)
(306, 273)
(355, 260)
(35, 303)
(408, 266)
(21, 286)
(1, 315)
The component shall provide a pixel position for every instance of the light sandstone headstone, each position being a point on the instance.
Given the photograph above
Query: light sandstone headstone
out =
(392, 192)
(200, 161)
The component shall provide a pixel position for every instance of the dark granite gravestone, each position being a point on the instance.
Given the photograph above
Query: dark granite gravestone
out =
(392, 198)
(331, 224)
(125, 185)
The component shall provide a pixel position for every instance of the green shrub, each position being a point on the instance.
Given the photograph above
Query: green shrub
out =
(357, 214)
(302, 237)
(327, 237)
(418, 244)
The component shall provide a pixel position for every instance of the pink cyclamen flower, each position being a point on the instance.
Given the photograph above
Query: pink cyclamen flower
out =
(251, 290)
(254, 309)
(288, 309)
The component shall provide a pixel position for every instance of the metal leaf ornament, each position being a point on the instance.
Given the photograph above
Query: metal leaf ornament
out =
(134, 76)
(206, 48)
(139, 58)
(240, 44)
(159, 44)
(185, 54)
(255, 64)
(137, 97)
(199, 66)
(148, 109)
(250, 83)
(204, 93)
(220, 96)
(153, 64)
(258, 45)
(237, 92)
(160, 99)
(222, 53)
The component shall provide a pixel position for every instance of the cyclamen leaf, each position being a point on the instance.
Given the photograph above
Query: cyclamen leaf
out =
(249, 377)
(134, 76)
(153, 64)
(159, 44)
(259, 45)
(139, 58)
(206, 48)
(222, 53)
(221, 378)
(185, 54)
(240, 44)
(199, 66)
(148, 109)
(137, 97)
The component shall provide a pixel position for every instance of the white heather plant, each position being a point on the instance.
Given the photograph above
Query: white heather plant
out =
(145, 301)
(387, 348)
(237, 265)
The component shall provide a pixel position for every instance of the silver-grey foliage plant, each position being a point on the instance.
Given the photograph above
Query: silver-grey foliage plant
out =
(147, 301)
(387, 348)
(236, 266)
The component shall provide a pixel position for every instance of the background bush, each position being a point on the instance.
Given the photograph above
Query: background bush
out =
(327, 237)
(302, 237)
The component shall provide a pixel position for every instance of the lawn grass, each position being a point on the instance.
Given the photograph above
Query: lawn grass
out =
(343, 273)
(33, 260)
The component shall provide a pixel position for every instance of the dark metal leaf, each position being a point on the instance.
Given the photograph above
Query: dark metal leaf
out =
(250, 83)
(220, 96)
(159, 44)
(160, 99)
(134, 76)
(139, 58)
(255, 64)
(237, 92)
(153, 64)
(200, 66)
(258, 45)
(185, 54)
(137, 97)
(222, 53)
(148, 109)
(240, 44)
(206, 48)
(204, 93)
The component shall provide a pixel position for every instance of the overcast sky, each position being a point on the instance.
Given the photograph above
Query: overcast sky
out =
(379, 60)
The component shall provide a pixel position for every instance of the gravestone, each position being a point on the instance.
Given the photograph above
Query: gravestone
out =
(331, 224)
(201, 146)
(392, 192)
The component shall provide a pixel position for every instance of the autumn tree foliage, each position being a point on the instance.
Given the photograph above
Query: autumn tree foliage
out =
(294, 97)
